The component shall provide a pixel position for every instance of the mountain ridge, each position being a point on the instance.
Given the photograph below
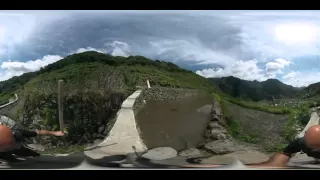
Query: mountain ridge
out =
(261, 90)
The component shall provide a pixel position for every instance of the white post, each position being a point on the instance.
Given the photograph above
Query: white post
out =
(60, 104)
(148, 84)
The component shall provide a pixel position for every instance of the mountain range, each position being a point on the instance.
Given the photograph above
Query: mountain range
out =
(266, 90)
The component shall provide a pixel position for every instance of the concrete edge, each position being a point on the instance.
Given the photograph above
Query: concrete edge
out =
(9, 103)
(127, 105)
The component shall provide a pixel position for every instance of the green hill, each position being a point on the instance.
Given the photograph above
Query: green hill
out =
(254, 90)
(95, 86)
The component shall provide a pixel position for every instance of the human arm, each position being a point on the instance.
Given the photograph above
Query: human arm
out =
(279, 160)
(49, 133)
(21, 134)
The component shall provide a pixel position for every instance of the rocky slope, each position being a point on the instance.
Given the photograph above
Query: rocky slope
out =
(218, 139)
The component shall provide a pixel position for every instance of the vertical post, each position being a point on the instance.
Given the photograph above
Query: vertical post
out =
(60, 104)
(148, 83)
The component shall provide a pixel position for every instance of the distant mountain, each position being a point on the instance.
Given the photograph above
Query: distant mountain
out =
(312, 90)
(254, 90)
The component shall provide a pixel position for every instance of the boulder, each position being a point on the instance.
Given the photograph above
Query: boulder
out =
(218, 134)
(37, 147)
(160, 153)
(214, 124)
(101, 129)
(191, 153)
(220, 146)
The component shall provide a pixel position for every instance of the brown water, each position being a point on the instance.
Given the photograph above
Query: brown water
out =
(179, 124)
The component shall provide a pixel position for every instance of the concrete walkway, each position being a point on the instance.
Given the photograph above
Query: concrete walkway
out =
(11, 101)
(124, 135)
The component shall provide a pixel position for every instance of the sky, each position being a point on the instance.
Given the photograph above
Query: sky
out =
(251, 45)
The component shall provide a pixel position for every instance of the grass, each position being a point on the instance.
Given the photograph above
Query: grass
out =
(65, 149)
(235, 129)
(4, 97)
(260, 107)
(297, 116)
(275, 147)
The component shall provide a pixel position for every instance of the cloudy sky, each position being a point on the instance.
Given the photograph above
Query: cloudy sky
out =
(252, 45)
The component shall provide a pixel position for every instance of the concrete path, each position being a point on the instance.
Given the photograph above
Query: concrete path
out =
(11, 101)
(124, 137)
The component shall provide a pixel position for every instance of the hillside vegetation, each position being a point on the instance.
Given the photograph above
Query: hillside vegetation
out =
(240, 97)
(95, 85)
(254, 90)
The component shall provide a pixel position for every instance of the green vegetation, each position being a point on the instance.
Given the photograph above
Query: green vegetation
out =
(260, 107)
(4, 97)
(235, 129)
(247, 93)
(254, 90)
(297, 116)
(95, 85)
(311, 91)
(65, 149)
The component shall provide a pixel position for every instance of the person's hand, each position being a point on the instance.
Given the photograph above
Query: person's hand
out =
(58, 133)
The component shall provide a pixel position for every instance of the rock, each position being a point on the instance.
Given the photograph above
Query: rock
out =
(214, 117)
(220, 146)
(60, 144)
(205, 109)
(214, 125)
(160, 153)
(105, 132)
(37, 147)
(218, 134)
(101, 129)
(191, 153)
(246, 157)
(84, 139)
(94, 136)
(97, 141)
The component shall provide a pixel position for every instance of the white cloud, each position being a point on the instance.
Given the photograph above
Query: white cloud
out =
(16, 68)
(189, 50)
(276, 66)
(300, 79)
(28, 66)
(118, 48)
(115, 48)
(247, 70)
(81, 50)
